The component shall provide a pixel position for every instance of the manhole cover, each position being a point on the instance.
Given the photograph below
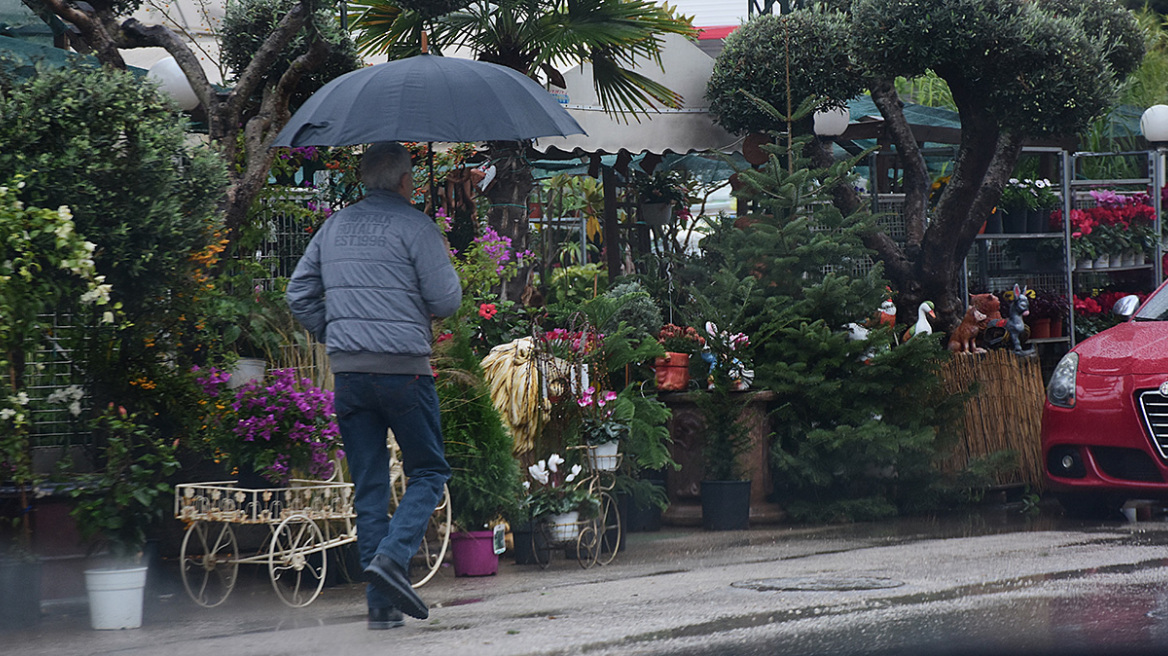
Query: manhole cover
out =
(818, 584)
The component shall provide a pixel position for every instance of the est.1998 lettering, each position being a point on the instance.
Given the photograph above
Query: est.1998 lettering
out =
(359, 240)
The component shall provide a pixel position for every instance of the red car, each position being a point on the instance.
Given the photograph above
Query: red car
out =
(1105, 420)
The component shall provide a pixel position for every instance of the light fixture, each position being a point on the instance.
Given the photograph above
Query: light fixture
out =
(173, 81)
(1154, 124)
(831, 123)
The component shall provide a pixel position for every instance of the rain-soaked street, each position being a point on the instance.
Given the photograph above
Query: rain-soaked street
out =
(998, 581)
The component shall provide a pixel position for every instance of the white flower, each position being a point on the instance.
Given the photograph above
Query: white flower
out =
(21, 398)
(539, 472)
(64, 213)
(7, 413)
(554, 461)
(526, 485)
(576, 469)
(75, 408)
(107, 317)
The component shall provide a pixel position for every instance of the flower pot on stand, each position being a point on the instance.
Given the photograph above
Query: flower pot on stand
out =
(115, 597)
(1013, 221)
(604, 457)
(725, 505)
(672, 372)
(1083, 264)
(1037, 220)
(1040, 328)
(993, 225)
(1056, 327)
(1102, 261)
(474, 553)
(564, 527)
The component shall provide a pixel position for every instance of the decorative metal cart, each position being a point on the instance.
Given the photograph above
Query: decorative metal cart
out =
(595, 540)
(304, 520)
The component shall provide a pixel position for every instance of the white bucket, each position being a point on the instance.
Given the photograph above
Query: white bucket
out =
(115, 597)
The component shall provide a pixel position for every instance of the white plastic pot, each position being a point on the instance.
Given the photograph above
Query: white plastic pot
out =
(115, 597)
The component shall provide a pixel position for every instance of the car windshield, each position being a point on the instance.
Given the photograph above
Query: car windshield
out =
(1155, 308)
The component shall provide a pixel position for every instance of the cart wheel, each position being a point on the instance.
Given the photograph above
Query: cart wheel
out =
(432, 551)
(610, 529)
(209, 564)
(541, 545)
(588, 544)
(296, 561)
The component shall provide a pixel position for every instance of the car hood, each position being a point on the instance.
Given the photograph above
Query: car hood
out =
(1132, 347)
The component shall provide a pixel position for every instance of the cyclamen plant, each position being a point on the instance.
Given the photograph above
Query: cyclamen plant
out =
(554, 495)
(598, 424)
(275, 428)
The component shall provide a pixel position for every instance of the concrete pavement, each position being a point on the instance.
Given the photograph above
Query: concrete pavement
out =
(687, 591)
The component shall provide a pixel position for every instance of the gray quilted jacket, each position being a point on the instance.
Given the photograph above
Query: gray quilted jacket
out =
(370, 281)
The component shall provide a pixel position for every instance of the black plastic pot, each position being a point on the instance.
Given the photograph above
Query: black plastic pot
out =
(20, 593)
(525, 551)
(725, 505)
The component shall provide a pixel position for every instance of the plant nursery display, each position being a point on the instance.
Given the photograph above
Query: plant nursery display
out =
(275, 428)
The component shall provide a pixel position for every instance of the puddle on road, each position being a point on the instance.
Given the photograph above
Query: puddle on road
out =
(458, 602)
(818, 584)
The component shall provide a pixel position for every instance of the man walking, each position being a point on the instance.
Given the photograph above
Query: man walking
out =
(368, 285)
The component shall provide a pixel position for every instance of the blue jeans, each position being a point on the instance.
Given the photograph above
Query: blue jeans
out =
(367, 405)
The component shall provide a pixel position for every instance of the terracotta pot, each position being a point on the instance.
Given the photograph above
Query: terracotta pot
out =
(1040, 328)
(672, 372)
(1056, 327)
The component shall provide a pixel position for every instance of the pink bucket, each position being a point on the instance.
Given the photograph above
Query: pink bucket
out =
(474, 553)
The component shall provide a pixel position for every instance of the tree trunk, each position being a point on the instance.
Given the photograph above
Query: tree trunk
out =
(508, 213)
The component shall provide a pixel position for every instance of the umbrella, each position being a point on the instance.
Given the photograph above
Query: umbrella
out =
(427, 98)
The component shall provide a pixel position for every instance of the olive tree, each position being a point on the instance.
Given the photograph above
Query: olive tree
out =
(1017, 70)
(243, 121)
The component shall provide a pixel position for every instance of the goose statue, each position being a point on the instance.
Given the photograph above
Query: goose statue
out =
(922, 326)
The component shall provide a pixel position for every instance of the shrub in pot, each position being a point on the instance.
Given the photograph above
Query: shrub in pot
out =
(118, 505)
(485, 486)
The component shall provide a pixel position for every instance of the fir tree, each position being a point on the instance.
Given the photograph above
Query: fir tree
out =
(856, 422)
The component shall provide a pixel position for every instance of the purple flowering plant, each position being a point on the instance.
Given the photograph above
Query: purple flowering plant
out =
(279, 427)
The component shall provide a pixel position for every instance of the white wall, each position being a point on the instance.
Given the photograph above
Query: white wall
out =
(708, 13)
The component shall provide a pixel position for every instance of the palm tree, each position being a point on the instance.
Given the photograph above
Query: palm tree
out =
(534, 37)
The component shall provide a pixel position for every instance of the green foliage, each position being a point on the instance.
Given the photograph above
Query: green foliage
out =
(637, 309)
(1048, 67)
(727, 439)
(486, 481)
(853, 420)
(111, 148)
(247, 23)
(754, 59)
(572, 285)
(129, 494)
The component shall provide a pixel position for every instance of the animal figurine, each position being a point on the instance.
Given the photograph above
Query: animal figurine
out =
(887, 316)
(963, 338)
(994, 330)
(1015, 325)
(922, 326)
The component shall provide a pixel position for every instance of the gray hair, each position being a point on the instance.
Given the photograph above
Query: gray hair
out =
(383, 165)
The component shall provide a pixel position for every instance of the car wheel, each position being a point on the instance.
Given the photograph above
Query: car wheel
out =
(1090, 505)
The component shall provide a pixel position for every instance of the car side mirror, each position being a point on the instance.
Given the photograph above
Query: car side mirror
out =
(1126, 306)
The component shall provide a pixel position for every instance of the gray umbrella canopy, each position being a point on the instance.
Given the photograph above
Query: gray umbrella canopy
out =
(427, 98)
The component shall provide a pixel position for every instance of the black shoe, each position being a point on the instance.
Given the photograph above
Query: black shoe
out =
(385, 618)
(389, 578)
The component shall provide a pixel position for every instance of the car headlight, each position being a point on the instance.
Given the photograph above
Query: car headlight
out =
(1060, 390)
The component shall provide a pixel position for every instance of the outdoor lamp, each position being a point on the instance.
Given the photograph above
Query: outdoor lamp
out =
(173, 81)
(830, 123)
(1154, 124)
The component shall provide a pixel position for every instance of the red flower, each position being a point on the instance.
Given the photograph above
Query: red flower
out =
(445, 336)
(487, 310)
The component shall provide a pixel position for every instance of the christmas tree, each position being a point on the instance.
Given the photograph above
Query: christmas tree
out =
(856, 423)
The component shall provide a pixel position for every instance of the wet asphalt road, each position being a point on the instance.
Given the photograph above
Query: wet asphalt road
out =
(993, 582)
